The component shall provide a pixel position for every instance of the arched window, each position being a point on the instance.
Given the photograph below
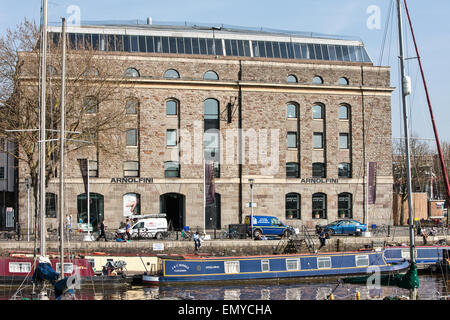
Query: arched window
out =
(171, 74)
(131, 73)
(131, 204)
(90, 72)
(344, 170)
(318, 111)
(317, 80)
(345, 205)
(50, 205)
(319, 206)
(343, 112)
(131, 106)
(293, 206)
(291, 79)
(210, 75)
(171, 107)
(343, 81)
(91, 104)
(319, 170)
(292, 170)
(96, 208)
(292, 111)
(171, 169)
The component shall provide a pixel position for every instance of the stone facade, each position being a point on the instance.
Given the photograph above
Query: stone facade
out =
(260, 84)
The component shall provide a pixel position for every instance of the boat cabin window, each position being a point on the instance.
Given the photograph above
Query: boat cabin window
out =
(68, 267)
(406, 253)
(19, 267)
(292, 264)
(265, 265)
(324, 262)
(232, 267)
(362, 261)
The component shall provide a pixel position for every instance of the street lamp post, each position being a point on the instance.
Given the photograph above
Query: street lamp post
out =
(251, 181)
(28, 184)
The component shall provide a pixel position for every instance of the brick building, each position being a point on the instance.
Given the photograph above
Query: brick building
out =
(308, 112)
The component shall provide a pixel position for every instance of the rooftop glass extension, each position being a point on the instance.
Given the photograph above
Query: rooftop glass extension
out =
(219, 45)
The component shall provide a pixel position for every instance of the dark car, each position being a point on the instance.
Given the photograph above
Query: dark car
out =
(345, 226)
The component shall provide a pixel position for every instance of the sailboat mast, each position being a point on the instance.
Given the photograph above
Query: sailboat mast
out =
(61, 148)
(42, 126)
(441, 156)
(405, 92)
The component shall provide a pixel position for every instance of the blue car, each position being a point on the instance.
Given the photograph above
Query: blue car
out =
(268, 225)
(346, 226)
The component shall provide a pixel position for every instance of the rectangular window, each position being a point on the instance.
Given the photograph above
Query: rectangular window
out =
(134, 44)
(19, 267)
(165, 44)
(173, 45)
(2, 172)
(232, 266)
(265, 266)
(292, 264)
(150, 45)
(318, 170)
(343, 141)
(68, 267)
(203, 49)
(131, 137)
(195, 46)
(292, 139)
(344, 170)
(318, 140)
(171, 137)
(362, 261)
(324, 262)
(142, 45)
(292, 170)
(131, 169)
(180, 45)
(93, 168)
(171, 169)
(187, 46)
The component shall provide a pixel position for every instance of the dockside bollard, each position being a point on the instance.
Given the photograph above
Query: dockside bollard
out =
(358, 295)
(331, 297)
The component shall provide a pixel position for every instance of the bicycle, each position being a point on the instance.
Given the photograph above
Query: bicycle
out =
(380, 230)
(233, 234)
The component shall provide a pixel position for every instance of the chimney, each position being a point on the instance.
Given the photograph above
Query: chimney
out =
(149, 20)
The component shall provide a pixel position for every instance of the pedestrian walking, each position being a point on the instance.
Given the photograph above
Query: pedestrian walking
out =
(197, 241)
(102, 232)
(424, 236)
(69, 223)
(322, 238)
(128, 229)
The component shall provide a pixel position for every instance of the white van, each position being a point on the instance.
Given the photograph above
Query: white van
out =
(148, 226)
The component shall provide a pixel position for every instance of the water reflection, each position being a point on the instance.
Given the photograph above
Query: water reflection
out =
(431, 288)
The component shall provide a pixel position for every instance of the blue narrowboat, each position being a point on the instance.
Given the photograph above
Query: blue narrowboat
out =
(182, 269)
(425, 255)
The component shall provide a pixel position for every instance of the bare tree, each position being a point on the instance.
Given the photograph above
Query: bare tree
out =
(421, 163)
(93, 102)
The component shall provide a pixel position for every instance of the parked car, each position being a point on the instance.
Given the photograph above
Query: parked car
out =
(268, 226)
(345, 226)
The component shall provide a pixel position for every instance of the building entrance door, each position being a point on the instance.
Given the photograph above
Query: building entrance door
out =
(173, 205)
(212, 214)
(95, 209)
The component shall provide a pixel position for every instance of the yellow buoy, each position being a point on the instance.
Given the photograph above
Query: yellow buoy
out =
(358, 295)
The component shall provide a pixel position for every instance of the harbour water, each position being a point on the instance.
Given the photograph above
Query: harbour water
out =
(432, 287)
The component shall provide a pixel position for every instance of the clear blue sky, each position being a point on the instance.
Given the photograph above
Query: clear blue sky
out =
(343, 17)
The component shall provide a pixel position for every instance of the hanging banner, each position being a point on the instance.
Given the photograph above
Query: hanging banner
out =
(209, 183)
(372, 188)
(84, 172)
